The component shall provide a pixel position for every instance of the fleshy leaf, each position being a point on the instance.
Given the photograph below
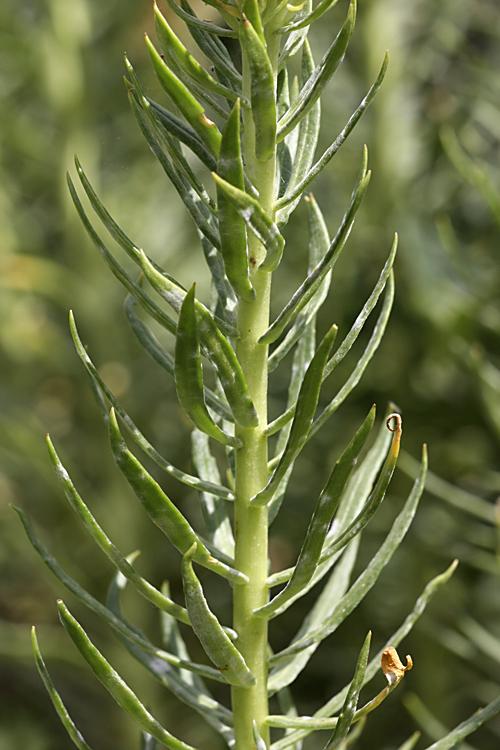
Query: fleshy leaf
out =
(144, 587)
(335, 703)
(258, 221)
(262, 97)
(185, 101)
(307, 140)
(172, 44)
(61, 709)
(112, 681)
(309, 287)
(189, 374)
(132, 287)
(162, 511)
(212, 637)
(351, 701)
(315, 86)
(139, 438)
(307, 402)
(232, 229)
(218, 350)
(118, 624)
(187, 686)
(150, 343)
(330, 152)
(328, 502)
(367, 579)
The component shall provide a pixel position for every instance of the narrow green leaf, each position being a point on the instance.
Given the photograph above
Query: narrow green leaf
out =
(259, 742)
(351, 701)
(319, 242)
(330, 152)
(328, 503)
(191, 20)
(119, 625)
(370, 303)
(218, 647)
(285, 673)
(364, 361)
(309, 287)
(354, 498)
(335, 703)
(307, 402)
(161, 510)
(150, 343)
(218, 350)
(262, 97)
(154, 138)
(184, 133)
(315, 86)
(213, 48)
(114, 230)
(112, 681)
(139, 438)
(228, 301)
(214, 509)
(301, 360)
(143, 587)
(306, 20)
(62, 712)
(171, 291)
(174, 47)
(295, 39)
(184, 684)
(232, 229)
(189, 374)
(376, 497)
(187, 104)
(368, 578)
(131, 286)
(256, 218)
(307, 140)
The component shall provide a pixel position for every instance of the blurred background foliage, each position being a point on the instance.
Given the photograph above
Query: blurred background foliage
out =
(433, 138)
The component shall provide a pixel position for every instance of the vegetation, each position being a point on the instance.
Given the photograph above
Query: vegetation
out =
(244, 216)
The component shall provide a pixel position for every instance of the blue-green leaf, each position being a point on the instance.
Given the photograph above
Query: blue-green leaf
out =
(139, 438)
(315, 86)
(307, 402)
(61, 709)
(189, 374)
(112, 681)
(314, 279)
(218, 647)
(328, 503)
(161, 510)
(349, 708)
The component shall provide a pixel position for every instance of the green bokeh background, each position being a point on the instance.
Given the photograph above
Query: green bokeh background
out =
(433, 138)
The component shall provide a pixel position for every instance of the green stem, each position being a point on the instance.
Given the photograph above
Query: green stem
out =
(251, 525)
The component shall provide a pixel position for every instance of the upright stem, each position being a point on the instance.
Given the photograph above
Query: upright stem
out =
(251, 525)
